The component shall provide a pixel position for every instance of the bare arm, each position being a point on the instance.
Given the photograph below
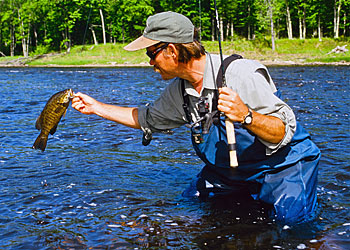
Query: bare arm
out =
(123, 115)
(268, 128)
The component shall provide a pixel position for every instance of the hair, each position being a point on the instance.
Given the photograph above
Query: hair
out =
(187, 51)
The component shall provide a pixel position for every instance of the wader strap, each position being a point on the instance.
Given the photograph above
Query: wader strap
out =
(186, 103)
(226, 62)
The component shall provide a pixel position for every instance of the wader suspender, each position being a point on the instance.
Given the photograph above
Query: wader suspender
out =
(186, 103)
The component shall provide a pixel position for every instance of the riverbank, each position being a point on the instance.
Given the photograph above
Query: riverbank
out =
(296, 52)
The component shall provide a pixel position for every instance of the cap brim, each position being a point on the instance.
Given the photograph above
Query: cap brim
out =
(140, 43)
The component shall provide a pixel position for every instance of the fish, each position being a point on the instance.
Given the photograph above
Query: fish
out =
(47, 122)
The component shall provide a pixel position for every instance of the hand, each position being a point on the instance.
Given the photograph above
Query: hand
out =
(232, 105)
(84, 103)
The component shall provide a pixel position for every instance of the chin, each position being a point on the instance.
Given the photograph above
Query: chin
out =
(165, 77)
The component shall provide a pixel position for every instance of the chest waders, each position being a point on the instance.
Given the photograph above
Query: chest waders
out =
(286, 179)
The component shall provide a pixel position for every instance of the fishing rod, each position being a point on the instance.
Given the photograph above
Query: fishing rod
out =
(230, 130)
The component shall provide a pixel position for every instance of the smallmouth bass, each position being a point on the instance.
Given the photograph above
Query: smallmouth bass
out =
(51, 115)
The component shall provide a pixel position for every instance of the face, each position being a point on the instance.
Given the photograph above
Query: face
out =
(162, 61)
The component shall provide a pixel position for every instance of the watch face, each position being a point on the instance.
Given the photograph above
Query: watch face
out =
(248, 120)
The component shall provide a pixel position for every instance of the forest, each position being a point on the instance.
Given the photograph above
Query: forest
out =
(39, 26)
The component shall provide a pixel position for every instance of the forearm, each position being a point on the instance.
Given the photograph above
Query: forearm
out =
(268, 128)
(122, 115)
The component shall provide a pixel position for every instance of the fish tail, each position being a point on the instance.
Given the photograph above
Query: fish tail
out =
(40, 142)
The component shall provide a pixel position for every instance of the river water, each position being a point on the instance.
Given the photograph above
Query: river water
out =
(97, 187)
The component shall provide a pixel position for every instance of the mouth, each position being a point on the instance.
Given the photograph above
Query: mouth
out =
(156, 69)
(70, 94)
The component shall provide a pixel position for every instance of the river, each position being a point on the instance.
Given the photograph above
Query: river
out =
(97, 187)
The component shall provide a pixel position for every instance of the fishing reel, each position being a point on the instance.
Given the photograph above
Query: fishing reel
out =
(203, 106)
(207, 118)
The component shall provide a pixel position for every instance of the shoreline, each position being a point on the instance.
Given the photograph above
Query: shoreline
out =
(268, 63)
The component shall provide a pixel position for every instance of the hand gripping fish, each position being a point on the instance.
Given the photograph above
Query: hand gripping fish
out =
(51, 115)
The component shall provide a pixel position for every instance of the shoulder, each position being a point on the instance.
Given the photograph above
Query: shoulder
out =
(173, 92)
(245, 66)
(174, 87)
(238, 66)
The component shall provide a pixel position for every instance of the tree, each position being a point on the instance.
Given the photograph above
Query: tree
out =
(127, 18)
(337, 8)
(289, 20)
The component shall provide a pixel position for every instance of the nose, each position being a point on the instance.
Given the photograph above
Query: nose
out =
(151, 62)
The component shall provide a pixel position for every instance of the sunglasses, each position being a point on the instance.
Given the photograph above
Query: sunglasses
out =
(153, 54)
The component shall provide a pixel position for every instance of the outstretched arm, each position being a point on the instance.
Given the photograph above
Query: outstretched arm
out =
(123, 115)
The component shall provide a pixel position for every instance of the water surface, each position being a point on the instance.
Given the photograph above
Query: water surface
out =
(97, 187)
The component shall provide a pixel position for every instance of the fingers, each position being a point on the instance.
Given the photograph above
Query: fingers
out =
(228, 98)
(78, 102)
(227, 94)
(231, 104)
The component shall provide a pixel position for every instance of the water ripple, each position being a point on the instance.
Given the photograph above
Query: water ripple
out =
(97, 187)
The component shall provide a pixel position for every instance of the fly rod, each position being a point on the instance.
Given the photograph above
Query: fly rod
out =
(230, 130)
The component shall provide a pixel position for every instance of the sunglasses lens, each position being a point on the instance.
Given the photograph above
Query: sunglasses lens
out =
(153, 54)
(150, 54)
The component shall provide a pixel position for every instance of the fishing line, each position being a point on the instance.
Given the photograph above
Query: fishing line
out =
(230, 132)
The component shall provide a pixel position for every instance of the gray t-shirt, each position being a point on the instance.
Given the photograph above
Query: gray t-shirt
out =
(242, 76)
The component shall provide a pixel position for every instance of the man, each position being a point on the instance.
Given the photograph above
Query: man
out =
(278, 162)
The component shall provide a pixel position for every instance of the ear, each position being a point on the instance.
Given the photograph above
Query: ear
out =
(172, 51)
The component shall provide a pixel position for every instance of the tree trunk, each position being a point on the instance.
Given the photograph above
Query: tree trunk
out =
(103, 27)
(93, 34)
(319, 28)
(337, 19)
(227, 30)
(304, 23)
(300, 29)
(35, 37)
(28, 39)
(249, 32)
(289, 23)
(69, 42)
(212, 30)
(13, 41)
(337, 9)
(344, 31)
(272, 27)
(221, 30)
(24, 39)
(232, 31)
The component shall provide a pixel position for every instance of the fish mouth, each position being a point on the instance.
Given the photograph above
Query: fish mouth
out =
(70, 94)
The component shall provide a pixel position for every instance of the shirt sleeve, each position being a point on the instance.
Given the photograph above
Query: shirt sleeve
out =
(166, 112)
(257, 92)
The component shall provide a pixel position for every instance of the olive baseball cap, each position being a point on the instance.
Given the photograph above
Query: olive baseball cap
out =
(168, 27)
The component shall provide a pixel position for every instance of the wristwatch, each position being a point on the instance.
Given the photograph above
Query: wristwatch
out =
(248, 118)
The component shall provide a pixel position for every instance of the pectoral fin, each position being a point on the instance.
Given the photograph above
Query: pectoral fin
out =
(64, 114)
(53, 130)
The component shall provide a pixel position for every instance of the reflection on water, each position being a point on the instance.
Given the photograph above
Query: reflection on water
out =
(97, 187)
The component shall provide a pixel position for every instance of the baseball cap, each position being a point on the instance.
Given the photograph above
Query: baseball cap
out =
(168, 27)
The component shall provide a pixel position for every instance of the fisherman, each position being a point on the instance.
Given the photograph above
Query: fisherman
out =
(278, 163)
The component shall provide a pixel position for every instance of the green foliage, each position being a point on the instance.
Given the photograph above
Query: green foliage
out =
(307, 50)
(40, 50)
(59, 24)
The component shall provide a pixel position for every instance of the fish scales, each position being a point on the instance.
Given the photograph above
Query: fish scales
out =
(51, 115)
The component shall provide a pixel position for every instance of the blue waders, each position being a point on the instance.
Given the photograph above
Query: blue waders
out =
(286, 180)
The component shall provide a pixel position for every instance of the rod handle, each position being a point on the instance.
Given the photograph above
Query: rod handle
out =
(231, 141)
